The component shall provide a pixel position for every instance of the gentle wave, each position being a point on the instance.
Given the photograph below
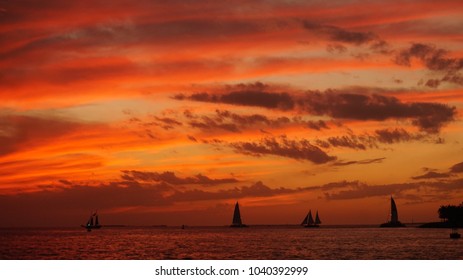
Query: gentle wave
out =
(352, 243)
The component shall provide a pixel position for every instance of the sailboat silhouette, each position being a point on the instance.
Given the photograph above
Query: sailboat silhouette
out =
(309, 221)
(236, 222)
(93, 222)
(394, 217)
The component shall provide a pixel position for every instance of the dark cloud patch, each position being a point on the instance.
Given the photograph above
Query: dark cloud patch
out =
(317, 125)
(284, 147)
(341, 35)
(232, 122)
(381, 46)
(432, 175)
(396, 135)
(436, 189)
(350, 141)
(338, 104)
(167, 123)
(65, 182)
(336, 48)
(208, 124)
(192, 138)
(365, 161)
(257, 120)
(250, 120)
(68, 39)
(270, 100)
(17, 131)
(457, 168)
(256, 190)
(455, 78)
(123, 33)
(364, 141)
(429, 117)
(338, 34)
(172, 179)
(433, 83)
(434, 59)
(362, 190)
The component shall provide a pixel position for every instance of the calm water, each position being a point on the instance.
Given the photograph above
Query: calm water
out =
(230, 243)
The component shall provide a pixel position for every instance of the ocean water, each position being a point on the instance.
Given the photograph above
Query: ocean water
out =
(259, 242)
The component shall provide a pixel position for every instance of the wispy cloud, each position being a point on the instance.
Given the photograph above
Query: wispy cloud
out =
(284, 147)
(170, 178)
(338, 34)
(19, 131)
(435, 59)
(365, 161)
(429, 117)
(432, 174)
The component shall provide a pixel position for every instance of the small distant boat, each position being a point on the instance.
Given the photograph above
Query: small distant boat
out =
(92, 223)
(310, 222)
(237, 217)
(455, 234)
(394, 218)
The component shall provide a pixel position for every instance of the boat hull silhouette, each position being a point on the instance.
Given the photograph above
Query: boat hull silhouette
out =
(390, 224)
(91, 227)
(238, 226)
(311, 226)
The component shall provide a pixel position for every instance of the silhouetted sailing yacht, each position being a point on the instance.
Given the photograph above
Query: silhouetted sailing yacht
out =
(394, 219)
(92, 223)
(309, 221)
(237, 217)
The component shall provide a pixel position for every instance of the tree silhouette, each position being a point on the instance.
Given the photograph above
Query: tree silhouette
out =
(451, 213)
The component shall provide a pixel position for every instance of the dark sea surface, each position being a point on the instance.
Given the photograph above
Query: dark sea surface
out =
(259, 242)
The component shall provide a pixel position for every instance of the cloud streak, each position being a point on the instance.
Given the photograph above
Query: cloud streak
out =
(435, 59)
(428, 117)
(454, 170)
(338, 34)
(284, 147)
(169, 177)
(17, 131)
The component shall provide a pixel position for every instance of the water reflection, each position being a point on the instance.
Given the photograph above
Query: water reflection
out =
(230, 243)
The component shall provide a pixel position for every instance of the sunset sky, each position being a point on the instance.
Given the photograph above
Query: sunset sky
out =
(168, 112)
